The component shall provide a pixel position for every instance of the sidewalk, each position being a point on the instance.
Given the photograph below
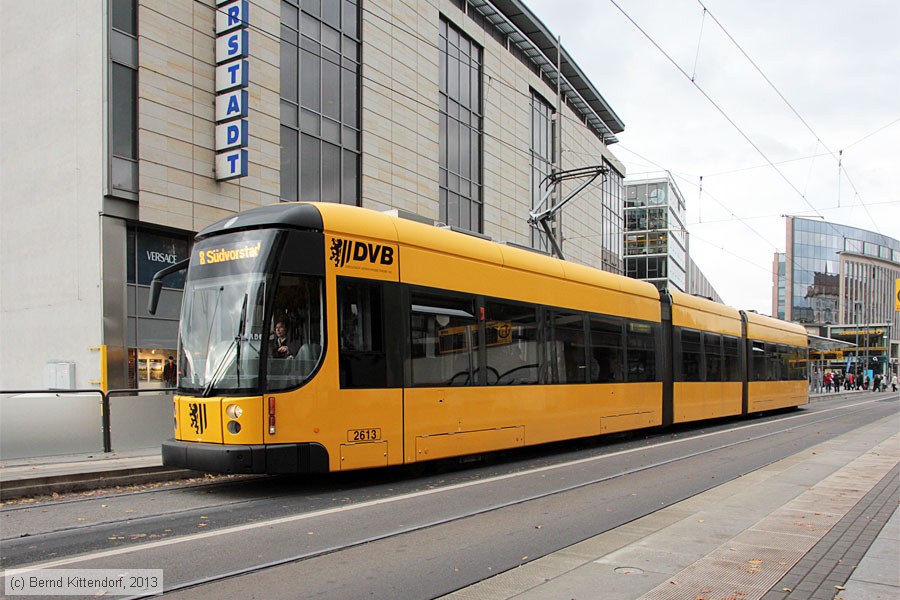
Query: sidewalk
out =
(822, 524)
(70, 473)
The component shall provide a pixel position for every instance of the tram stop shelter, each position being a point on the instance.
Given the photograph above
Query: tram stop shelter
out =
(824, 353)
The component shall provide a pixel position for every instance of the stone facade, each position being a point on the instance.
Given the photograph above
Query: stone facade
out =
(176, 115)
(400, 94)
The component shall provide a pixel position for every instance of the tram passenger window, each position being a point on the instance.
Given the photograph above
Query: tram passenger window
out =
(297, 327)
(607, 350)
(758, 361)
(363, 362)
(773, 362)
(784, 362)
(731, 348)
(799, 359)
(516, 360)
(565, 347)
(690, 356)
(796, 363)
(641, 351)
(712, 348)
(444, 340)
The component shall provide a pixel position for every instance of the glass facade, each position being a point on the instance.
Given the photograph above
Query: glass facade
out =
(814, 261)
(613, 192)
(320, 122)
(780, 286)
(655, 237)
(542, 157)
(150, 339)
(460, 129)
(123, 93)
(842, 279)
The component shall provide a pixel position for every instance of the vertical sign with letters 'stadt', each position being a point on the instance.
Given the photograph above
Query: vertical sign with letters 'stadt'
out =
(232, 76)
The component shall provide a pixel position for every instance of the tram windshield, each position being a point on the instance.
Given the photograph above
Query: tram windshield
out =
(221, 334)
(229, 331)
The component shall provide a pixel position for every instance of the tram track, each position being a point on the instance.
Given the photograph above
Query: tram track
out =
(74, 498)
(814, 419)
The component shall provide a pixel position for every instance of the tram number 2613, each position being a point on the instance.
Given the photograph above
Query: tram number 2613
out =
(363, 435)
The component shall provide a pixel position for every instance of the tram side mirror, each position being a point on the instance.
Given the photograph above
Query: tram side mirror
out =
(156, 283)
(153, 301)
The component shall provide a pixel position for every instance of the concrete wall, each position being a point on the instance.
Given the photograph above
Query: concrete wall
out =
(51, 181)
(73, 423)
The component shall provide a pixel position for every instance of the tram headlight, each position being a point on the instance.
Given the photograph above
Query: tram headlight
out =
(234, 411)
(234, 427)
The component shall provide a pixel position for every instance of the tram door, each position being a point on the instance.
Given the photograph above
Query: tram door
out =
(371, 393)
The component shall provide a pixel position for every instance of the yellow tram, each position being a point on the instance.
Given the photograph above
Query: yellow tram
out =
(321, 337)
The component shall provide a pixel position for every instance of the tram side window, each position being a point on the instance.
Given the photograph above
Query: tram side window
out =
(641, 351)
(296, 337)
(606, 350)
(712, 348)
(787, 360)
(758, 361)
(798, 362)
(517, 360)
(565, 347)
(444, 340)
(690, 356)
(731, 347)
(363, 362)
(773, 362)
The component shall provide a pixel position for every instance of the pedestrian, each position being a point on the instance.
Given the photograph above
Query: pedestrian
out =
(894, 383)
(170, 373)
(876, 384)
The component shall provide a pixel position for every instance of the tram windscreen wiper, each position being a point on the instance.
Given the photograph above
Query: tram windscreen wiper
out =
(239, 338)
(220, 369)
(235, 346)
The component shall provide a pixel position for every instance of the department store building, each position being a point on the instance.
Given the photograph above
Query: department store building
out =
(129, 125)
(841, 282)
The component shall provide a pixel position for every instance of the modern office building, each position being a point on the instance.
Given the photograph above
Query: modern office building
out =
(656, 239)
(129, 125)
(840, 282)
(655, 236)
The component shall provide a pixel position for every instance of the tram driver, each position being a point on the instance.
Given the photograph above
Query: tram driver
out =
(281, 345)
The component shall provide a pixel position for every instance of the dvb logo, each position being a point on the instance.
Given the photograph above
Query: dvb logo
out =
(346, 251)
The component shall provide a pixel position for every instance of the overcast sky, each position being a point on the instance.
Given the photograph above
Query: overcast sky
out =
(836, 63)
